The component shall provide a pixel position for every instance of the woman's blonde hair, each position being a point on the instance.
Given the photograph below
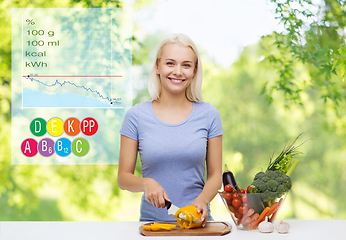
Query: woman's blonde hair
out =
(193, 92)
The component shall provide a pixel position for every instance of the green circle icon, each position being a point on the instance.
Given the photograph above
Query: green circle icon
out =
(38, 127)
(80, 147)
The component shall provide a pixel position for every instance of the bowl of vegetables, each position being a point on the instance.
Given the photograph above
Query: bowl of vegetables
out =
(248, 210)
(263, 198)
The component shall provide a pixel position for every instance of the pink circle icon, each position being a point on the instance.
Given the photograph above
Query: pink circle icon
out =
(29, 147)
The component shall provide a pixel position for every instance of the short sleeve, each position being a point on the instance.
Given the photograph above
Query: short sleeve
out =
(214, 122)
(129, 127)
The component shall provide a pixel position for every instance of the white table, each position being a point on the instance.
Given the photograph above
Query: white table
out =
(300, 229)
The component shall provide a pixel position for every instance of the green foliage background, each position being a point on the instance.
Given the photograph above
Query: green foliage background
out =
(288, 83)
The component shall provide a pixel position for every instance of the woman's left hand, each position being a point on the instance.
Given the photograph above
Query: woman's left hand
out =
(201, 208)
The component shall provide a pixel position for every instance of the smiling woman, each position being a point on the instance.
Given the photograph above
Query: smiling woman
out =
(176, 68)
(188, 55)
(176, 134)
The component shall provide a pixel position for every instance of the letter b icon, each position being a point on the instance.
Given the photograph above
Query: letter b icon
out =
(46, 147)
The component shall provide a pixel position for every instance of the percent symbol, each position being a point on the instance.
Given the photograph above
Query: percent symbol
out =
(30, 21)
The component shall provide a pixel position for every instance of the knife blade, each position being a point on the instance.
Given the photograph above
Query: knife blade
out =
(171, 208)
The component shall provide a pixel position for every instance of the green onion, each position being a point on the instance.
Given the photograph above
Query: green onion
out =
(284, 162)
(289, 172)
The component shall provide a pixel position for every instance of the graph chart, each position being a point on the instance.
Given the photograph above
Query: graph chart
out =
(69, 64)
(70, 91)
(77, 60)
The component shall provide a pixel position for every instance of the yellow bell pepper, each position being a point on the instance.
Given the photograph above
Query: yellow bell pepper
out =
(158, 226)
(192, 219)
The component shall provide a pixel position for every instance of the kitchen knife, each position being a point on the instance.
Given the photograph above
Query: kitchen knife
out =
(172, 209)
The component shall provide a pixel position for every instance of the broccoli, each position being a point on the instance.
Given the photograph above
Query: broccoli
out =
(260, 185)
(258, 175)
(271, 185)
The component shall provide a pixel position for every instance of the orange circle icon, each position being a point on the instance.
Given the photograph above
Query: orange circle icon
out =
(72, 126)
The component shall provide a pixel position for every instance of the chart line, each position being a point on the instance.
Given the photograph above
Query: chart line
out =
(56, 83)
(112, 107)
(111, 56)
(70, 76)
(22, 56)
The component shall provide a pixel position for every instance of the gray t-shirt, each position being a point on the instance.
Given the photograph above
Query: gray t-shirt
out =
(172, 154)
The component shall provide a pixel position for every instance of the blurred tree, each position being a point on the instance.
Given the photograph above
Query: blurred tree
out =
(315, 36)
(253, 130)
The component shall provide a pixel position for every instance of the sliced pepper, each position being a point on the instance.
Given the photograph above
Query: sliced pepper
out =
(158, 226)
(192, 219)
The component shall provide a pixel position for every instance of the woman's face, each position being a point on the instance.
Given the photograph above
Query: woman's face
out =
(176, 68)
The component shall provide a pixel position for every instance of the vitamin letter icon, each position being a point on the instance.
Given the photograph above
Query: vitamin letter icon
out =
(29, 147)
(80, 147)
(55, 127)
(71, 126)
(63, 147)
(38, 127)
(46, 147)
(89, 126)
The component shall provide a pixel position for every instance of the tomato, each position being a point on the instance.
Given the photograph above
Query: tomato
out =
(227, 197)
(234, 191)
(242, 191)
(238, 215)
(244, 198)
(236, 203)
(235, 196)
(243, 209)
(232, 209)
(228, 188)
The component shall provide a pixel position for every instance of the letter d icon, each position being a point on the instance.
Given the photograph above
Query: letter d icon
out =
(38, 127)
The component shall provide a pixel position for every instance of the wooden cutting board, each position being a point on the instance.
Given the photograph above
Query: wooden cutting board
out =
(211, 229)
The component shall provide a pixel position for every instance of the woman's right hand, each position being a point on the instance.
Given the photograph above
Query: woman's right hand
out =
(154, 193)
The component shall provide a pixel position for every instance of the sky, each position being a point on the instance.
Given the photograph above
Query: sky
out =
(221, 27)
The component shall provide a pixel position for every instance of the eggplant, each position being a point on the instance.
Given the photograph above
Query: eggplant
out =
(228, 178)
